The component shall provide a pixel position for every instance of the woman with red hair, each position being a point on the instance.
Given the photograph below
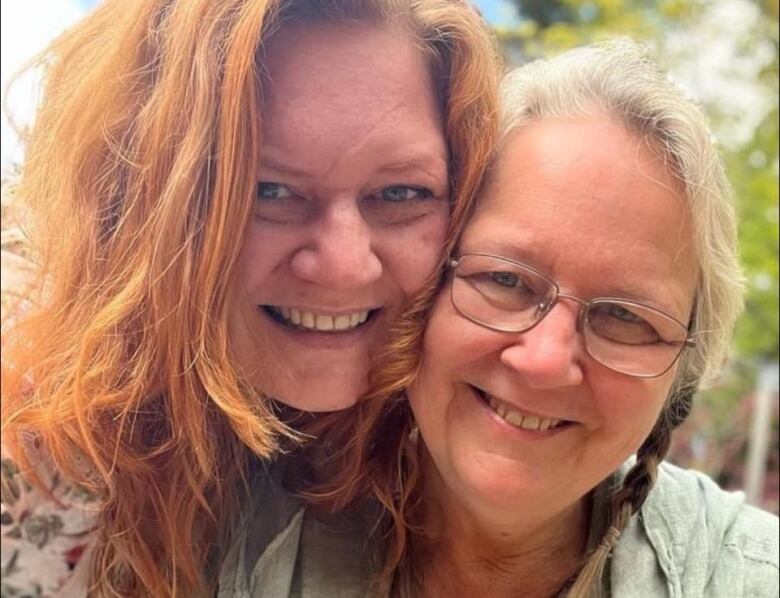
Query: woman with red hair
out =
(231, 202)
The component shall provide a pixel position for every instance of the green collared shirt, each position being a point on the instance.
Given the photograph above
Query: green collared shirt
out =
(690, 539)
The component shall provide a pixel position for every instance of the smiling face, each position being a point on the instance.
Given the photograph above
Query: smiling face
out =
(351, 209)
(602, 219)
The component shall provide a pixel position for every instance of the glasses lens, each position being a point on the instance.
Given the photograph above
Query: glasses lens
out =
(633, 338)
(499, 293)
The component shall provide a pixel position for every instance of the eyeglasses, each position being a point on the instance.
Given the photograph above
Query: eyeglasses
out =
(623, 335)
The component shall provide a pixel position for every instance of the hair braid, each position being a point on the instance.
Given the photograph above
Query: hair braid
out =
(630, 497)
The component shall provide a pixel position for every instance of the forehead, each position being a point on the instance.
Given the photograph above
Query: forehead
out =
(343, 87)
(351, 66)
(593, 205)
(362, 47)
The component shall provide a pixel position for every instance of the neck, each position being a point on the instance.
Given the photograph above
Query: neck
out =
(470, 554)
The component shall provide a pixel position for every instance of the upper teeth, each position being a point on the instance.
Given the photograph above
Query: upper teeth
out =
(517, 419)
(321, 322)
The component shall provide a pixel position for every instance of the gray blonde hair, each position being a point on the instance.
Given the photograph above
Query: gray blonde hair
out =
(619, 80)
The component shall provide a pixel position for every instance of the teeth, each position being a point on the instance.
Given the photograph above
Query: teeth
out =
(513, 417)
(341, 323)
(321, 322)
(517, 419)
(530, 423)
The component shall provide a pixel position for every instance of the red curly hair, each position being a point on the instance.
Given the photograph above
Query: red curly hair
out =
(135, 177)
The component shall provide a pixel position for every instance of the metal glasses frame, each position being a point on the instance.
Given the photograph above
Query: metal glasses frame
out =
(546, 307)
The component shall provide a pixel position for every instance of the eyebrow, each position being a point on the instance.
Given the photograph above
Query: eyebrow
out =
(513, 251)
(285, 169)
(529, 256)
(429, 164)
(424, 163)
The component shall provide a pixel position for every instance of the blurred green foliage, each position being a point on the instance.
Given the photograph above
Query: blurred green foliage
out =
(550, 26)
(682, 33)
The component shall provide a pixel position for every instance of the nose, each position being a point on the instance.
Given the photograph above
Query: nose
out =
(339, 252)
(550, 354)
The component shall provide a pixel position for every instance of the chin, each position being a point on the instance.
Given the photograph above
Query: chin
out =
(321, 398)
(497, 480)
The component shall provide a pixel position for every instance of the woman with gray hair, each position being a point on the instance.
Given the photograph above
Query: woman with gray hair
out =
(513, 443)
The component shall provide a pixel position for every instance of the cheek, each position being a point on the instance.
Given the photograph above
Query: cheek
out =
(411, 254)
(631, 407)
(448, 351)
(263, 251)
(455, 347)
(443, 340)
(437, 355)
(430, 398)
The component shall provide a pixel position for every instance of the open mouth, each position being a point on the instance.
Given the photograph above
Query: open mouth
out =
(517, 418)
(298, 319)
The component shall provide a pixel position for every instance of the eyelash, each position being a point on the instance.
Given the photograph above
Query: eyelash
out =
(421, 192)
(261, 184)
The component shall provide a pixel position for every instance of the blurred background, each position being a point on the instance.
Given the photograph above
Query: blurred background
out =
(724, 53)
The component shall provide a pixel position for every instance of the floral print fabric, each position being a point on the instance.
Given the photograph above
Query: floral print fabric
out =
(45, 540)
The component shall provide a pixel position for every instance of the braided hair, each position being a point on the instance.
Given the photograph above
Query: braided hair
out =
(633, 492)
(618, 78)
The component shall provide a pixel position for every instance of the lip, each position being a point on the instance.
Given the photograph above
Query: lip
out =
(314, 339)
(324, 311)
(507, 428)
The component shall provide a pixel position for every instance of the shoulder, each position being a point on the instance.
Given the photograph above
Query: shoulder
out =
(709, 541)
(739, 541)
(46, 537)
(686, 496)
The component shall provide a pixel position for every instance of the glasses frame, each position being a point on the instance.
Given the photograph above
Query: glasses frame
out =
(546, 308)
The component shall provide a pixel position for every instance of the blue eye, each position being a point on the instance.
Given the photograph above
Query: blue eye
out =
(400, 204)
(269, 191)
(625, 325)
(278, 203)
(506, 279)
(398, 193)
(621, 313)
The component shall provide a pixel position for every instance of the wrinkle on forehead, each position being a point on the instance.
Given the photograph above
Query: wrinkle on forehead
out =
(605, 217)
(329, 86)
(365, 139)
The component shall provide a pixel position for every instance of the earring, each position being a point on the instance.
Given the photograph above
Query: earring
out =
(414, 433)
